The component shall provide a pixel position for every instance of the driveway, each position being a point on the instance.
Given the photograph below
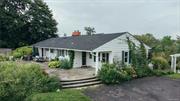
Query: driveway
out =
(144, 89)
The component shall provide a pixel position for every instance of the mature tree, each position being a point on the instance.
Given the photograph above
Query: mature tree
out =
(89, 30)
(178, 44)
(166, 43)
(24, 22)
(166, 47)
(148, 39)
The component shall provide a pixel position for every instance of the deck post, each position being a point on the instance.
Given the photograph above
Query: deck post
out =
(174, 64)
(49, 54)
(97, 64)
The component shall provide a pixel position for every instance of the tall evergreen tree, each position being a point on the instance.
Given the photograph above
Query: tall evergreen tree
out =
(24, 22)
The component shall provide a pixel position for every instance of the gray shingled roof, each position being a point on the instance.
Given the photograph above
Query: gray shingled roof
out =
(83, 42)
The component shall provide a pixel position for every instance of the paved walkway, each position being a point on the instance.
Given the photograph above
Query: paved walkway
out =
(145, 89)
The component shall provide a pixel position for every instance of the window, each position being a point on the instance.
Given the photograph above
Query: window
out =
(51, 50)
(125, 56)
(99, 56)
(47, 49)
(66, 52)
(105, 57)
(94, 57)
(61, 53)
(90, 55)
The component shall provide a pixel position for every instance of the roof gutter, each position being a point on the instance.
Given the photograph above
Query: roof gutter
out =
(63, 49)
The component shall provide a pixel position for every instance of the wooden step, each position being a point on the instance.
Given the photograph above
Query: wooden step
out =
(81, 84)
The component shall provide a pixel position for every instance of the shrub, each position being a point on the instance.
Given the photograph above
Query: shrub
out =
(124, 76)
(56, 59)
(54, 64)
(19, 52)
(131, 72)
(178, 65)
(162, 72)
(109, 74)
(3, 58)
(160, 62)
(17, 81)
(143, 72)
(65, 64)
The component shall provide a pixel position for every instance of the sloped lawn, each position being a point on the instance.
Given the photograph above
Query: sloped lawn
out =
(64, 95)
(174, 76)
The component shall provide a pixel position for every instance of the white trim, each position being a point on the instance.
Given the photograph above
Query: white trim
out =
(176, 55)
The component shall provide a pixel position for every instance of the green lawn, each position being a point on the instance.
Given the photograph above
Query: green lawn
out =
(174, 76)
(64, 95)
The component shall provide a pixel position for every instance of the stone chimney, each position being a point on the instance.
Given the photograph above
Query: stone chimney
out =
(76, 33)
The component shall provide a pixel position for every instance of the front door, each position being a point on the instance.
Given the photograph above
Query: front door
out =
(83, 58)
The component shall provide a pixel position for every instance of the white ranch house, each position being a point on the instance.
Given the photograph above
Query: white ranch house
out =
(90, 50)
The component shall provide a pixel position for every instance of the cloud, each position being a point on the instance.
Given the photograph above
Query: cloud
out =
(160, 17)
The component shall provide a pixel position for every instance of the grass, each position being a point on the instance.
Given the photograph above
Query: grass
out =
(174, 76)
(64, 95)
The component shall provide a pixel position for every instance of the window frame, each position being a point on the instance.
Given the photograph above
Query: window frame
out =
(51, 50)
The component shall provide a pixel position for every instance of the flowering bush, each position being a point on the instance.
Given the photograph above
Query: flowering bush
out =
(54, 64)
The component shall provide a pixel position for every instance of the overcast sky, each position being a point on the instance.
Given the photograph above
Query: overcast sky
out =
(159, 17)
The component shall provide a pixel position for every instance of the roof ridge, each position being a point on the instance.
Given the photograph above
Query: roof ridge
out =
(93, 34)
(83, 42)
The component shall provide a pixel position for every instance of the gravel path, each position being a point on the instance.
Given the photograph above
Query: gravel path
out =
(145, 89)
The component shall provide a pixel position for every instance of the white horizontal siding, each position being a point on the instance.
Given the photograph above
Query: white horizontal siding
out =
(117, 45)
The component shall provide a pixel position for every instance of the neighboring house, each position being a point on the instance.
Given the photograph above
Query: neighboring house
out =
(5, 51)
(90, 50)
